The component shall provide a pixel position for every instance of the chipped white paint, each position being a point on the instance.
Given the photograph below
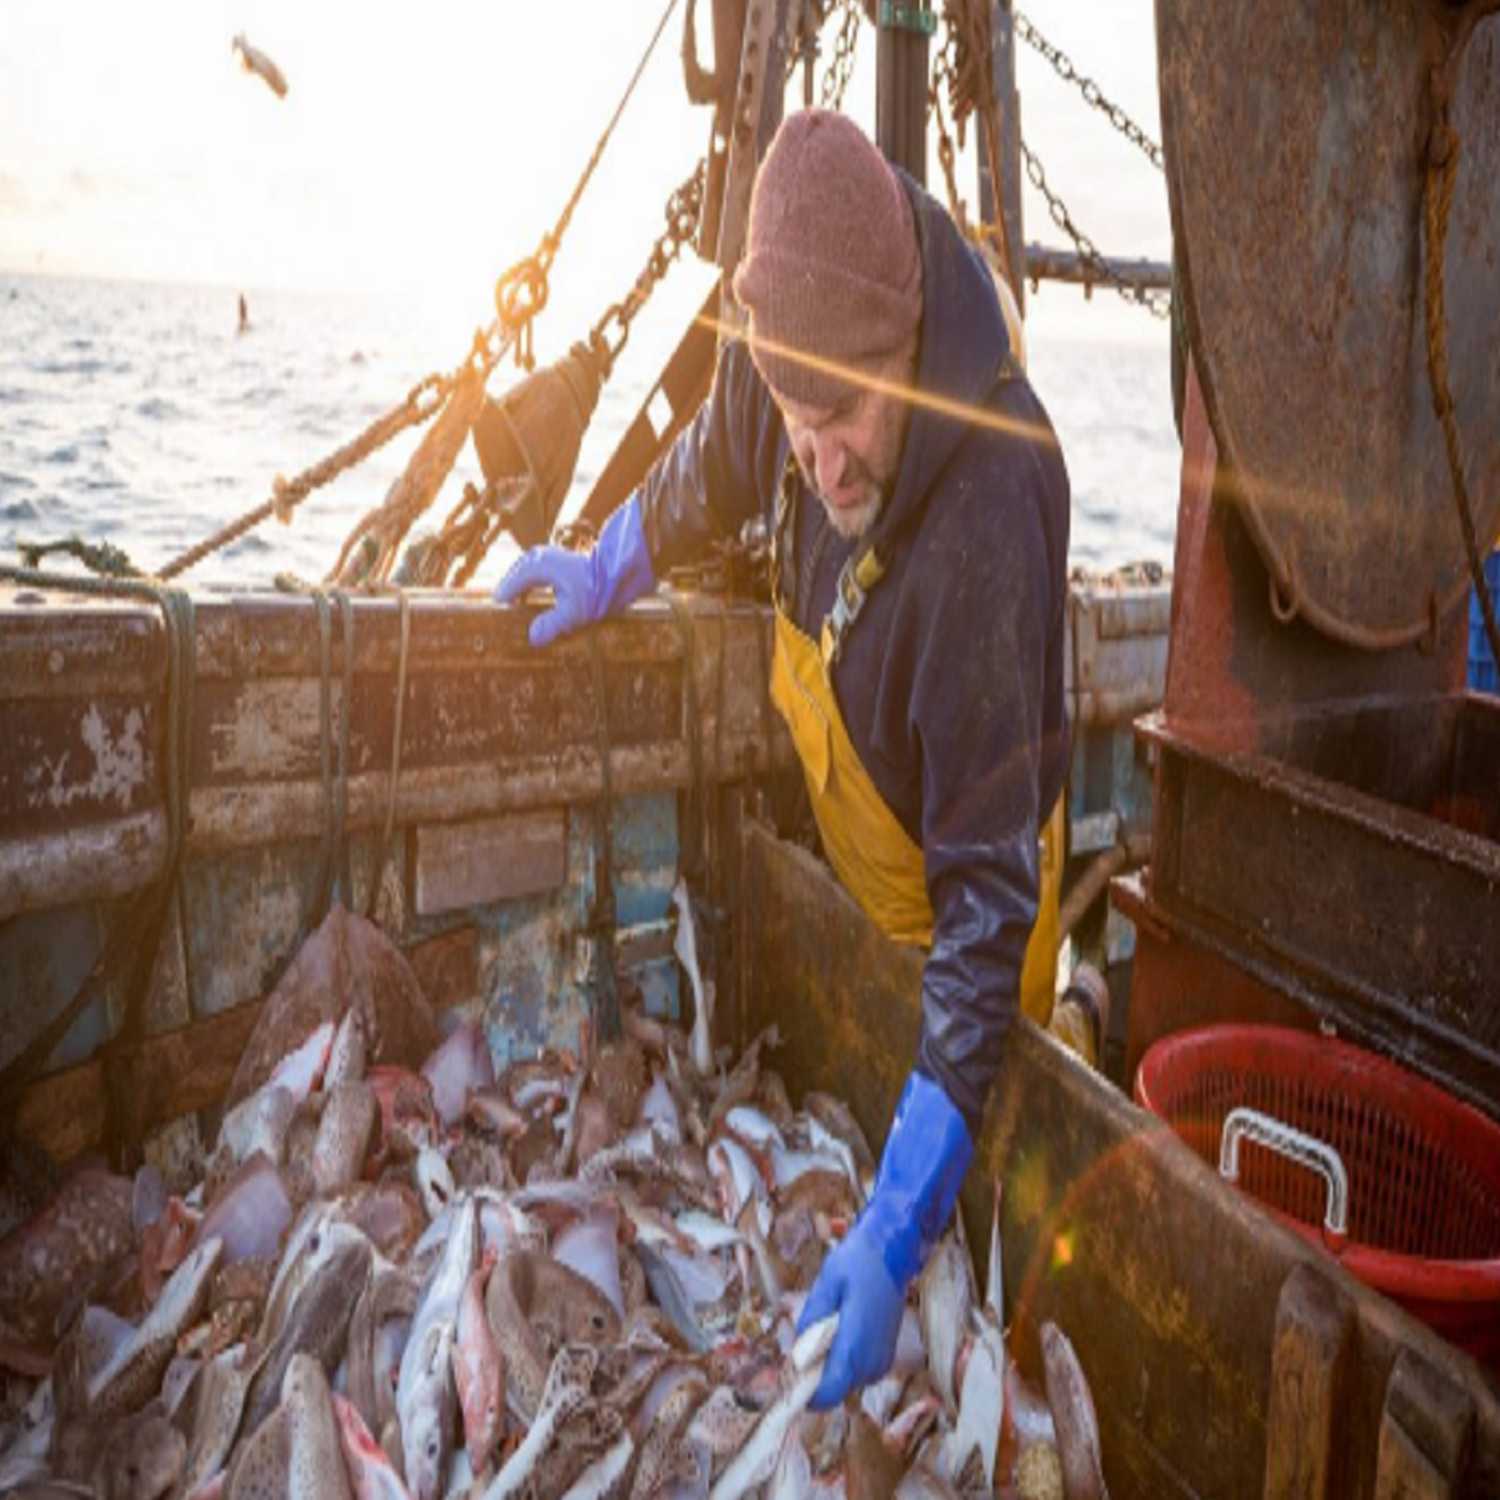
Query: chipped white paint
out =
(119, 765)
(274, 725)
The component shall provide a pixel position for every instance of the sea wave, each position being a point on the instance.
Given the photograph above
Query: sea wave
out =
(140, 415)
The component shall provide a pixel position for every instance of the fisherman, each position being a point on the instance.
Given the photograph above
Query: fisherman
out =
(244, 315)
(918, 506)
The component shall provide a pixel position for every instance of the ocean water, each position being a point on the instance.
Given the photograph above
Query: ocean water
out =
(135, 414)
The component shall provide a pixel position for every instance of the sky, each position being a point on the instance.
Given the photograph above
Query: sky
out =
(422, 149)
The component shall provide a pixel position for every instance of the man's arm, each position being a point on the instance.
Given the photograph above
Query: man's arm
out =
(981, 730)
(711, 480)
(704, 487)
(983, 621)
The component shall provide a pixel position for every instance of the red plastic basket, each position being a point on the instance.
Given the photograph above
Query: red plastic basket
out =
(1423, 1169)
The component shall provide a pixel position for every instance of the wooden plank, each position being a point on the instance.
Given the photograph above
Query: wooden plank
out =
(513, 729)
(1313, 1328)
(491, 859)
(188, 1069)
(1426, 1431)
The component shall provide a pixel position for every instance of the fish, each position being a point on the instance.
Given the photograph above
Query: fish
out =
(349, 1054)
(659, 1444)
(1073, 1411)
(391, 1293)
(259, 1123)
(981, 1407)
(460, 1064)
(590, 1246)
(134, 1371)
(943, 1297)
(372, 1476)
(434, 1179)
(61, 1252)
(251, 1211)
(260, 1469)
(424, 1390)
(256, 61)
(315, 1457)
(756, 1460)
(317, 1321)
(994, 1285)
(600, 1478)
(685, 946)
(566, 1389)
(141, 1459)
(672, 1298)
(345, 1133)
(535, 1307)
(218, 1409)
(478, 1372)
(872, 1471)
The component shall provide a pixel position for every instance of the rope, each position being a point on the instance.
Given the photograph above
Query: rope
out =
(98, 557)
(1442, 173)
(345, 884)
(567, 214)
(693, 854)
(402, 660)
(325, 756)
(287, 494)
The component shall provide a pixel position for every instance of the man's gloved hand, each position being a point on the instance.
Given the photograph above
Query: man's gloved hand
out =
(588, 585)
(864, 1279)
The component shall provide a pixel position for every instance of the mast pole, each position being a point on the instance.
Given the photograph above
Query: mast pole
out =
(901, 48)
(1003, 71)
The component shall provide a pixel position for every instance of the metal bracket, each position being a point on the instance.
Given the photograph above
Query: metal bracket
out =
(917, 18)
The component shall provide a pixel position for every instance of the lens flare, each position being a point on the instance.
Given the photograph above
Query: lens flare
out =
(947, 406)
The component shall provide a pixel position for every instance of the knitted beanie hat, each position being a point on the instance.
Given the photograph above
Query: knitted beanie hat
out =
(831, 266)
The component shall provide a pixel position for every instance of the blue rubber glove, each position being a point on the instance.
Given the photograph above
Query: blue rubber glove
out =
(864, 1278)
(588, 585)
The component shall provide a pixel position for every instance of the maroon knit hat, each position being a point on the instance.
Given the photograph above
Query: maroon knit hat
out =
(832, 266)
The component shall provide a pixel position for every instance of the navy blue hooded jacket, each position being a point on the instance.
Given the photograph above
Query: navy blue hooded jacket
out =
(950, 682)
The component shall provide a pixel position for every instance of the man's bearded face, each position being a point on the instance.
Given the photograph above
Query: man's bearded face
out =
(850, 453)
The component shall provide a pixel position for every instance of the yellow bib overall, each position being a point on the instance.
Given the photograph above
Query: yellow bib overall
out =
(877, 860)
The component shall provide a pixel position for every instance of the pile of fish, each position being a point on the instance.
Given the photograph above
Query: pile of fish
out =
(579, 1278)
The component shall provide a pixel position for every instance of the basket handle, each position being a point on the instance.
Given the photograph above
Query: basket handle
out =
(1306, 1150)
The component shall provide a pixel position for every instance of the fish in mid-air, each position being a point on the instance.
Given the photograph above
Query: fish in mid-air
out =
(256, 61)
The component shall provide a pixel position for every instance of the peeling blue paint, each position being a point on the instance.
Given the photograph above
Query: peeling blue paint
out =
(536, 950)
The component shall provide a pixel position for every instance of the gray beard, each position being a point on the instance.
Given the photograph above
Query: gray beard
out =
(853, 524)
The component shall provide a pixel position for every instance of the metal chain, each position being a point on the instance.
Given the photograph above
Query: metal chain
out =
(612, 332)
(1063, 66)
(841, 64)
(1159, 304)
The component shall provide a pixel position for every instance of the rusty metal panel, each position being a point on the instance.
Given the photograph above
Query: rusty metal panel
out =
(1307, 125)
(489, 859)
